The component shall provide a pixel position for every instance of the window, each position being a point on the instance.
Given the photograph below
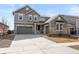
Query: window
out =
(30, 17)
(20, 17)
(61, 26)
(35, 17)
(27, 8)
(57, 26)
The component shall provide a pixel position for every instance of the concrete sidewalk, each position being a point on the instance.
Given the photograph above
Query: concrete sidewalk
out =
(36, 44)
(37, 50)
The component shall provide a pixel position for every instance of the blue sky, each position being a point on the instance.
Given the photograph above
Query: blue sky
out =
(43, 9)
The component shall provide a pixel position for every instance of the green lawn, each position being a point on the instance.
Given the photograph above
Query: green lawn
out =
(63, 40)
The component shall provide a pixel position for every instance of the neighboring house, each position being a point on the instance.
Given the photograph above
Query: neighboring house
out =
(62, 24)
(28, 21)
(3, 28)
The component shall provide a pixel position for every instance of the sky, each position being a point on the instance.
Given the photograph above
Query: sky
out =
(43, 9)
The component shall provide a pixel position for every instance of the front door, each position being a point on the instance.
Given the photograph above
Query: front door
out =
(39, 29)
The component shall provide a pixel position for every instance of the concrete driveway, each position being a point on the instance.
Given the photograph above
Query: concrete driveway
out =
(36, 44)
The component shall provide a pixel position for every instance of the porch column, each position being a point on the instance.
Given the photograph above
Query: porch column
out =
(44, 30)
(35, 28)
(50, 29)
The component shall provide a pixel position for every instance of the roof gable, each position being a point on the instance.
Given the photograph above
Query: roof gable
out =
(55, 18)
(66, 18)
(59, 18)
(70, 19)
(26, 10)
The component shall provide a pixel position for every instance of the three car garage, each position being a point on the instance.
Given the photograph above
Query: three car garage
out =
(24, 30)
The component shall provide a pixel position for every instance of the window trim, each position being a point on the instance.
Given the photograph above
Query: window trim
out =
(35, 16)
(59, 26)
(30, 17)
(19, 17)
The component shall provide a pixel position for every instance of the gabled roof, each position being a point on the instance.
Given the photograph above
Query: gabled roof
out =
(68, 18)
(31, 10)
(44, 18)
(50, 19)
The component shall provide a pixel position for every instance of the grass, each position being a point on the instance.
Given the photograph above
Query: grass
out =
(63, 40)
(75, 47)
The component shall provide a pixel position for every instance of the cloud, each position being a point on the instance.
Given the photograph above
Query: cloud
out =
(74, 10)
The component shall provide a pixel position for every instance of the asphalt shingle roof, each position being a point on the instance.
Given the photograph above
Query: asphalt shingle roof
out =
(69, 19)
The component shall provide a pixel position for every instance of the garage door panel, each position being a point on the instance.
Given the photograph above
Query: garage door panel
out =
(24, 30)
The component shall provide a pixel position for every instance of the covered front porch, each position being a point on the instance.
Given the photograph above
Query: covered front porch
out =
(38, 28)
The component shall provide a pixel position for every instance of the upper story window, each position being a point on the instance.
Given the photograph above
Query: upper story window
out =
(30, 17)
(20, 16)
(35, 17)
(61, 26)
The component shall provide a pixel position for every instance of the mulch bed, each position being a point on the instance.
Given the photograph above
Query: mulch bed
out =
(6, 40)
(63, 36)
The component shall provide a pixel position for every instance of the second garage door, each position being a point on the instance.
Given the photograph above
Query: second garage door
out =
(24, 30)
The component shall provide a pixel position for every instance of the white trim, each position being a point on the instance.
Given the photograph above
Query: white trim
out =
(25, 25)
(24, 22)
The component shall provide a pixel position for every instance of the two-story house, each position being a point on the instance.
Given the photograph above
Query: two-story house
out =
(28, 21)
